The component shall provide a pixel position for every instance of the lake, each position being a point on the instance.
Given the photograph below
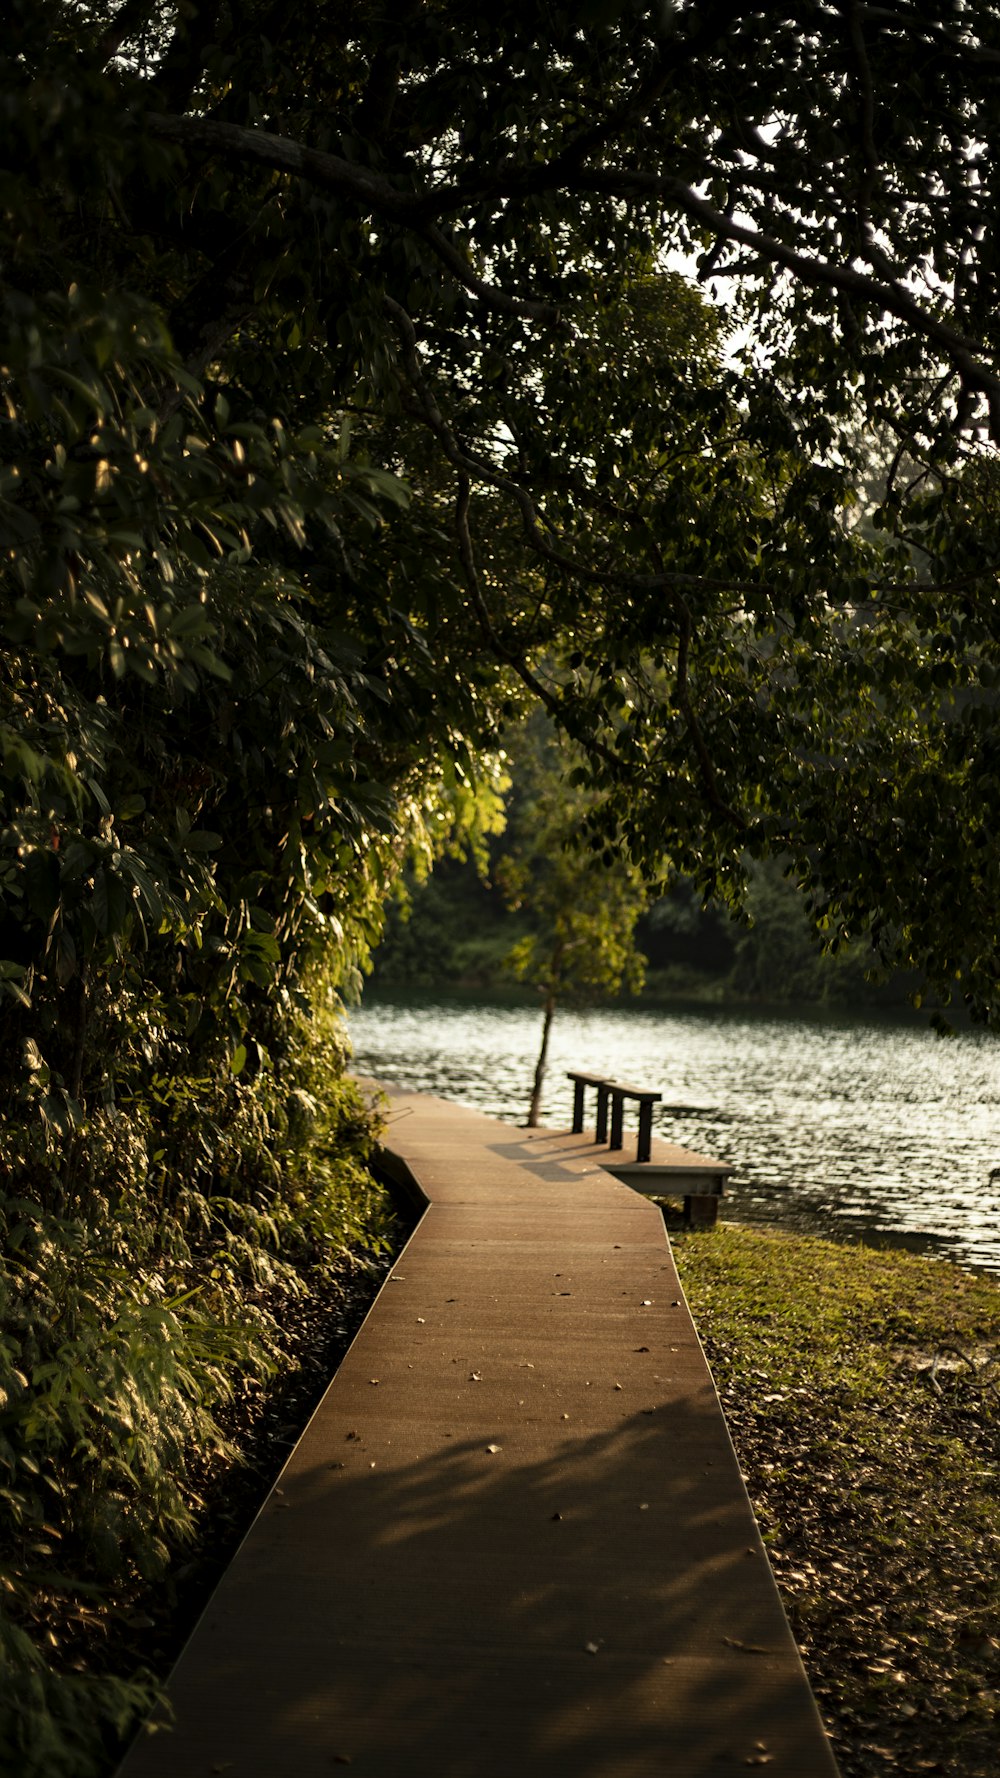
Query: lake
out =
(859, 1130)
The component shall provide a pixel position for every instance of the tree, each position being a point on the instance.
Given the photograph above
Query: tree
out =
(431, 221)
(581, 906)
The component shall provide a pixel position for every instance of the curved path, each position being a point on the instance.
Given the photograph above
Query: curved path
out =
(513, 1541)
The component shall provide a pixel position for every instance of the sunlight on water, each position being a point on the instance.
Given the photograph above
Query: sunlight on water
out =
(863, 1131)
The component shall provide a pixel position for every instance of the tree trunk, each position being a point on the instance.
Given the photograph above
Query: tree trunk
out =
(536, 1091)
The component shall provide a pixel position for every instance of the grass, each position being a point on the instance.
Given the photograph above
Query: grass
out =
(860, 1388)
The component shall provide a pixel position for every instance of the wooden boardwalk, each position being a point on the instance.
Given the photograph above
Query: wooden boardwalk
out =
(513, 1541)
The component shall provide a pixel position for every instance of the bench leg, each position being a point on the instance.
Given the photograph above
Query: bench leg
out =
(578, 1092)
(644, 1147)
(701, 1210)
(601, 1133)
(617, 1120)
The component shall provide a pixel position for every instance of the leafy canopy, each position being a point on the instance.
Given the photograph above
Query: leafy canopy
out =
(355, 332)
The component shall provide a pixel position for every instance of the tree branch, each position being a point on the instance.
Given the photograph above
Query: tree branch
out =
(889, 298)
(284, 155)
(331, 172)
(511, 657)
(490, 294)
(420, 211)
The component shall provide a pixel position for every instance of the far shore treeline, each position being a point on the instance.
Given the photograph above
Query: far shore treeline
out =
(456, 930)
(378, 383)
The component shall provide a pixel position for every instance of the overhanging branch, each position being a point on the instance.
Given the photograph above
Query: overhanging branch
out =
(886, 296)
(422, 211)
(344, 178)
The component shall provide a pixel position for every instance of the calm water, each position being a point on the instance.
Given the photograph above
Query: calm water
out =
(878, 1132)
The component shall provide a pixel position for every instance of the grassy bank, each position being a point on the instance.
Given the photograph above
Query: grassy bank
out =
(860, 1388)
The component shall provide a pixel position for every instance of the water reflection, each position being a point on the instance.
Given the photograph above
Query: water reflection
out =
(866, 1131)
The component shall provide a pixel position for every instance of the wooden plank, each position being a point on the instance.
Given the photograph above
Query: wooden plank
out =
(670, 1167)
(653, 1179)
(631, 1092)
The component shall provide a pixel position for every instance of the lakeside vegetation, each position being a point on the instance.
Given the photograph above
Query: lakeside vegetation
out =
(153, 1316)
(456, 930)
(861, 1392)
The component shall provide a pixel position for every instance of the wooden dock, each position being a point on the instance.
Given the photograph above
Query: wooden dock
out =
(514, 1539)
(670, 1172)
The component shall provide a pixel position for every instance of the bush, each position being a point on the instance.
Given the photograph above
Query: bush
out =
(150, 1257)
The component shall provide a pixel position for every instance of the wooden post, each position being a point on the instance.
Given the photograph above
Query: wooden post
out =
(617, 1118)
(601, 1134)
(579, 1088)
(645, 1144)
(701, 1210)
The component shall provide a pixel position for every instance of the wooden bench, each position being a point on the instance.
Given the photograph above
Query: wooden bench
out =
(613, 1094)
(676, 1172)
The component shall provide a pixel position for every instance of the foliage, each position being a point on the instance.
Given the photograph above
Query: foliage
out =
(454, 929)
(458, 931)
(432, 244)
(130, 1316)
(776, 956)
(859, 1388)
(196, 809)
(580, 902)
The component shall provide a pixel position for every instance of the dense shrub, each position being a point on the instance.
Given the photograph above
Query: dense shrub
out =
(151, 1254)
